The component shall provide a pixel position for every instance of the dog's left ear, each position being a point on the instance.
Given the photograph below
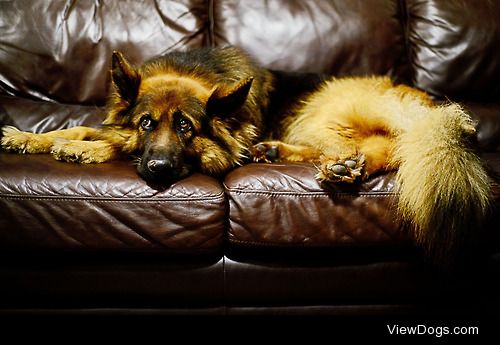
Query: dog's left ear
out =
(226, 100)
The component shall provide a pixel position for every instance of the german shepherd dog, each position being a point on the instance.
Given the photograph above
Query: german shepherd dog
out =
(206, 110)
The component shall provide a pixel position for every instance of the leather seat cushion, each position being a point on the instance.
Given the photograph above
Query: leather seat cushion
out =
(48, 204)
(283, 205)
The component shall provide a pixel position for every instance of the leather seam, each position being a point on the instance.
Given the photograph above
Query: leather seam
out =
(110, 200)
(332, 244)
(316, 194)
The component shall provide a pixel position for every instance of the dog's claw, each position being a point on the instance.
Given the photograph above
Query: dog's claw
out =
(265, 153)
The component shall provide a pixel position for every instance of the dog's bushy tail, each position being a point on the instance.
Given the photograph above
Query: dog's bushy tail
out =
(444, 191)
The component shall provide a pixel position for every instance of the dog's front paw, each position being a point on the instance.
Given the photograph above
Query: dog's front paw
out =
(82, 151)
(266, 152)
(15, 140)
(341, 170)
(71, 151)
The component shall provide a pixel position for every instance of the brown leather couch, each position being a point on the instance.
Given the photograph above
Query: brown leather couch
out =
(266, 239)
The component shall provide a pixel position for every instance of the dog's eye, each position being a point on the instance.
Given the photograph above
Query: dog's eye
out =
(147, 123)
(184, 125)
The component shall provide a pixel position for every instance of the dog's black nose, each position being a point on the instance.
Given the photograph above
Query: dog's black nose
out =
(157, 165)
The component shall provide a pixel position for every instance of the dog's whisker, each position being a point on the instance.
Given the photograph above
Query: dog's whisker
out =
(136, 160)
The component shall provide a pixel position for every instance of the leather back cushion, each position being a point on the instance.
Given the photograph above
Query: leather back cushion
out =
(455, 47)
(337, 37)
(60, 51)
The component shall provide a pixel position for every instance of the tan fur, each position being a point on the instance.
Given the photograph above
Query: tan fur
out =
(444, 188)
(363, 126)
(24, 142)
(86, 152)
(198, 88)
(350, 128)
(220, 92)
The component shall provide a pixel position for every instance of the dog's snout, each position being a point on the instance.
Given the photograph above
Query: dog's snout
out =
(163, 166)
(157, 165)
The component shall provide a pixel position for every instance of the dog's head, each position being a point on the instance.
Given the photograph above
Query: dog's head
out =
(179, 123)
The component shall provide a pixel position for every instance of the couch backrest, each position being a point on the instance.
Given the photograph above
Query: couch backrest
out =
(60, 50)
(454, 47)
(336, 37)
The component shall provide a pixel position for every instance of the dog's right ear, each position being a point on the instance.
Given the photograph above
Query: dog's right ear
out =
(224, 101)
(126, 79)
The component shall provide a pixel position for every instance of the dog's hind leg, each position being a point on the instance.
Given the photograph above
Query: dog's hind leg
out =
(371, 155)
(339, 163)
(277, 151)
(341, 168)
(15, 140)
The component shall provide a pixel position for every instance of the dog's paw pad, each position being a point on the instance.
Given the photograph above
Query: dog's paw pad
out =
(267, 152)
(341, 170)
(351, 164)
